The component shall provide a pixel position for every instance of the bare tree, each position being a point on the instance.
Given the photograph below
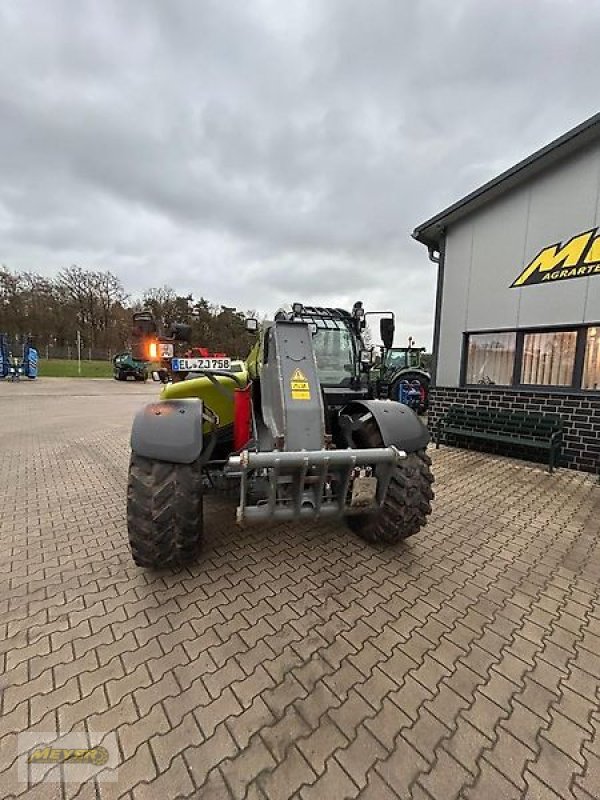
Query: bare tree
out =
(95, 303)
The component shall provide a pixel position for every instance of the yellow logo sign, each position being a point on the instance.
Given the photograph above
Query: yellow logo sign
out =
(65, 755)
(299, 386)
(579, 257)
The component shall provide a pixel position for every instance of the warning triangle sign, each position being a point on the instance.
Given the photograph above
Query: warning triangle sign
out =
(299, 376)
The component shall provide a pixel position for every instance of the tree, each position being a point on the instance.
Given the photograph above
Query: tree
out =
(167, 306)
(111, 300)
(95, 303)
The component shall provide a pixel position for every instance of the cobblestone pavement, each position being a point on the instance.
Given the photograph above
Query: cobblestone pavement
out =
(290, 661)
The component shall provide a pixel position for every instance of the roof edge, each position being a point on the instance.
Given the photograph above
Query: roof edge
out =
(430, 232)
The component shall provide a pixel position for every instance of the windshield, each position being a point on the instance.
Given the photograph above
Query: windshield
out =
(334, 351)
(401, 358)
(396, 358)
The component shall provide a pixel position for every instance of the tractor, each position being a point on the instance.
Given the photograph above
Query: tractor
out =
(404, 378)
(295, 434)
(169, 355)
(150, 346)
(125, 366)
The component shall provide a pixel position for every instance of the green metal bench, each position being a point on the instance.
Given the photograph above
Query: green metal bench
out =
(539, 431)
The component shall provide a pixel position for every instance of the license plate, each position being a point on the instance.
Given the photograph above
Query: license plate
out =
(201, 364)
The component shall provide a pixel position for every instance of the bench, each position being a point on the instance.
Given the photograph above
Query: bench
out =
(539, 431)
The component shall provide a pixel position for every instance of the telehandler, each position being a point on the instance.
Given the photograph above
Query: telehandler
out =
(297, 431)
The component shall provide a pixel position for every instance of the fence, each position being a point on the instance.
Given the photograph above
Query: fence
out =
(69, 352)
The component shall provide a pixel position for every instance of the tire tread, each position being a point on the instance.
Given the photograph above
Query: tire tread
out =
(164, 512)
(408, 501)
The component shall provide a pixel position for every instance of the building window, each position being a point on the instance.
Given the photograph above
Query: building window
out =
(491, 358)
(549, 358)
(591, 364)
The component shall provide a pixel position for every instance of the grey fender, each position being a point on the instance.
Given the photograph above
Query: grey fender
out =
(397, 423)
(169, 430)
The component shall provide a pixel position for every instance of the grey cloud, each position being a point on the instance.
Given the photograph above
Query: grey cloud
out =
(262, 152)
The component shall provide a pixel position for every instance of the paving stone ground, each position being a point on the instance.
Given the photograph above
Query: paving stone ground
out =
(296, 661)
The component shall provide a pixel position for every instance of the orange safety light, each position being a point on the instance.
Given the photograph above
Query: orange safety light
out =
(153, 350)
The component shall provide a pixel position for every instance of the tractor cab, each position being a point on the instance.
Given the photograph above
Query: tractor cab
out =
(403, 358)
(337, 345)
(343, 360)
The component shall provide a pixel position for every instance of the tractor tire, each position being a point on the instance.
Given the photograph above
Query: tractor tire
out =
(407, 503)
(164, 512)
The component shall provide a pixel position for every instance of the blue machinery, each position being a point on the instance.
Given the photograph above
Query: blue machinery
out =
(11, 368)
(410, 393)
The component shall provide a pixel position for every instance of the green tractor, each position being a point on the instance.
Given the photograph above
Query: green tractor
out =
(296, 433)
(125, 366)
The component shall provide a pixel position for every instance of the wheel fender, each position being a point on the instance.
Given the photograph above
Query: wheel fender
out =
(398, 424)
(410, 371)
(169, 430)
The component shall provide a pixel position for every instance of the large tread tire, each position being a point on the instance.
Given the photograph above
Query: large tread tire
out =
(407, 503)
(164, 512)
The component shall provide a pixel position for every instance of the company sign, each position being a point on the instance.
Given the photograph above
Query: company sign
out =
(578, 258)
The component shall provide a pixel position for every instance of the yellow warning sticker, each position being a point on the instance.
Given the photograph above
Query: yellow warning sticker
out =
(299, 386)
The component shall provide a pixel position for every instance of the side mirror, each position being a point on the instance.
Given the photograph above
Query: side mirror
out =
(251, 325)
(181, 332)
(386, 330)
(365, 357)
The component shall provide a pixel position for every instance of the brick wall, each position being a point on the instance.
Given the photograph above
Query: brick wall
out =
(580, 413)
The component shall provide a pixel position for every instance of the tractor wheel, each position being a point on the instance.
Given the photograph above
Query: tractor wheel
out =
(408, 500)
(164, 512)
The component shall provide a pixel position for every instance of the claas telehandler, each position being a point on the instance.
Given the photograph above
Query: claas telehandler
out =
(297, 433)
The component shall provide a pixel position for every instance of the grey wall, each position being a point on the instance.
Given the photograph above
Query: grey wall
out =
(487, 250)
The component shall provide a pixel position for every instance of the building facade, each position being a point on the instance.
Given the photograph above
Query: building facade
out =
(517, 321)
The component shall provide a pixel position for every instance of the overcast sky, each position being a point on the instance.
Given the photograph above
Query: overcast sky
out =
(266, 151)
